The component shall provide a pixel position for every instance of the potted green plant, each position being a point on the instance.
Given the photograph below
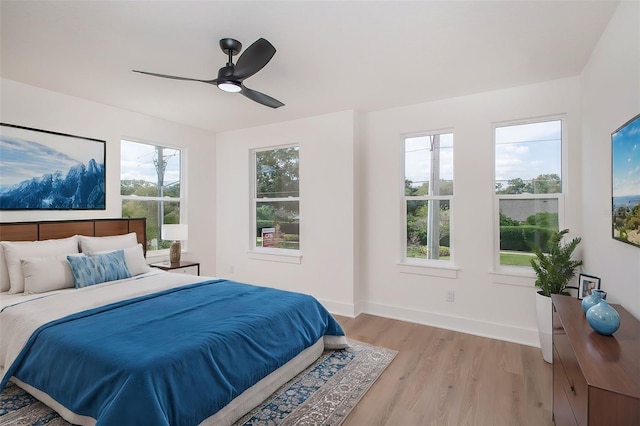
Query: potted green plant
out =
(553, 270)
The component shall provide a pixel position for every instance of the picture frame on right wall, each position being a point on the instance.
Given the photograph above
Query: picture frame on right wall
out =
(625, 182)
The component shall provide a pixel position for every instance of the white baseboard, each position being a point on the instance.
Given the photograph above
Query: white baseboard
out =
(339, 308)
(523, 336)
(507, 333)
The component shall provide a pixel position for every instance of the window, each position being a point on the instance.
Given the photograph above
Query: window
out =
(528, 187)
(150, 178)
(276, 200)
(428, 195)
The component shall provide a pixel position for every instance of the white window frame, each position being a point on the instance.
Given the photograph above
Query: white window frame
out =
(423, 266)
(182, 200)
(513, 271)
(271, 253)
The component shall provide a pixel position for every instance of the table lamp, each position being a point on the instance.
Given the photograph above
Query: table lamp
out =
(175, 233)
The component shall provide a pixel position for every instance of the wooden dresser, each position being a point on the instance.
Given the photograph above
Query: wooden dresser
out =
(596, 379)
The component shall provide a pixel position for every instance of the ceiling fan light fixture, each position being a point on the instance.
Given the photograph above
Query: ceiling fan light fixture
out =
(229, 86)
(231, 76)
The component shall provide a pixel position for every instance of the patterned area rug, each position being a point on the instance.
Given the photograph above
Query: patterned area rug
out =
(323, 394)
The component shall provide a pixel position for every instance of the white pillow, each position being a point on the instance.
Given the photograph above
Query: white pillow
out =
(43, 274)
(91, 245)
(5, 284)
(134, 257)
(16, 250)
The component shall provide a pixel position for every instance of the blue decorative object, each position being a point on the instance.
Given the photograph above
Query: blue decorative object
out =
(98, 268)
(603, 318)
(593, 299)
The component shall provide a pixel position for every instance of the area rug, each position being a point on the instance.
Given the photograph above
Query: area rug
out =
(323, 394)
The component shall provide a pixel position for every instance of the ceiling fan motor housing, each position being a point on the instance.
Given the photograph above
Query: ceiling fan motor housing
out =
(230, 46)
(225, 72)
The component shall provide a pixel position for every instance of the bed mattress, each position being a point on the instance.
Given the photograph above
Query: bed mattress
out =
(161, 349)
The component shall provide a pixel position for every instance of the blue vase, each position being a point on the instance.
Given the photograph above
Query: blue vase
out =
(603, 318)
(593, 299)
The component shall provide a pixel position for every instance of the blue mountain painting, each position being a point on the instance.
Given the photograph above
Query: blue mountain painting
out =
(82, 188)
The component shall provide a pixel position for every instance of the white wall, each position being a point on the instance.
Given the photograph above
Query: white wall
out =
(350, 169)
(351, 210)
(326, 269)
(41, 109)
(610, 97)
(363, 154)
(482, 306)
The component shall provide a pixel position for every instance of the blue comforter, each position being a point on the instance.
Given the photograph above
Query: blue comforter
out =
(170, 358)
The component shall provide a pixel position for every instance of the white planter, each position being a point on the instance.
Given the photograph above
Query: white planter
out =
(545, 326)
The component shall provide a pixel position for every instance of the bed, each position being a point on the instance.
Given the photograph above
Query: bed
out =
(129, 344)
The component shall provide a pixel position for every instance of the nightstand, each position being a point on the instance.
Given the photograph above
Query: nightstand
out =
(182, 267)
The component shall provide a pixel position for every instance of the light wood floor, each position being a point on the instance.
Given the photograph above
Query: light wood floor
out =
(442, 377)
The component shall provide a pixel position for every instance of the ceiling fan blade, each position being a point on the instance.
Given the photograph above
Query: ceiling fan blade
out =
(176, 77)
(261, 98)
(254, 58)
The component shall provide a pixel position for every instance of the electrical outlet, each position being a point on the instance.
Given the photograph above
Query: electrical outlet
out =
(450, 296)
(231, 268)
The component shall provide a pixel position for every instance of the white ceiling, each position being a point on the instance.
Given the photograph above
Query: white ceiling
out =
(331, 56)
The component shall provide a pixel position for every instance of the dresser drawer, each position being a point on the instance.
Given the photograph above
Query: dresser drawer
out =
(573, 382)
(562, 412)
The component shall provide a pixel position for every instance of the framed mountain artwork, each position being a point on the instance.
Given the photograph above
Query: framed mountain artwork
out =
(44, 170)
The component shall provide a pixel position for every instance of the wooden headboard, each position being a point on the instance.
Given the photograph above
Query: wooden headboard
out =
(47, 230)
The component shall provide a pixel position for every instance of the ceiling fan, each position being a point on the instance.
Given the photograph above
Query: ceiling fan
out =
(231, 76)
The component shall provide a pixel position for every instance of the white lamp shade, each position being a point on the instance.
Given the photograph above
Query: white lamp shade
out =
(175, 232)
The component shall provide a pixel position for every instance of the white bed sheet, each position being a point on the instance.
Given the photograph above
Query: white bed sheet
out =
(7, 299)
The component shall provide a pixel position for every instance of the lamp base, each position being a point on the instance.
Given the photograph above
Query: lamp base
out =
(174, 252)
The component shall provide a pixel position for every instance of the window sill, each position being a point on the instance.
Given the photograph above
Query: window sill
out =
(522, 277)
(275, 255)
(420, 268)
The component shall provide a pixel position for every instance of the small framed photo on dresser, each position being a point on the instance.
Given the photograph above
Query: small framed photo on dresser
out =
(586, 283)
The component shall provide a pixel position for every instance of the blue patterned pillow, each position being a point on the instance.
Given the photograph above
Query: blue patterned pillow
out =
(99, 268)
